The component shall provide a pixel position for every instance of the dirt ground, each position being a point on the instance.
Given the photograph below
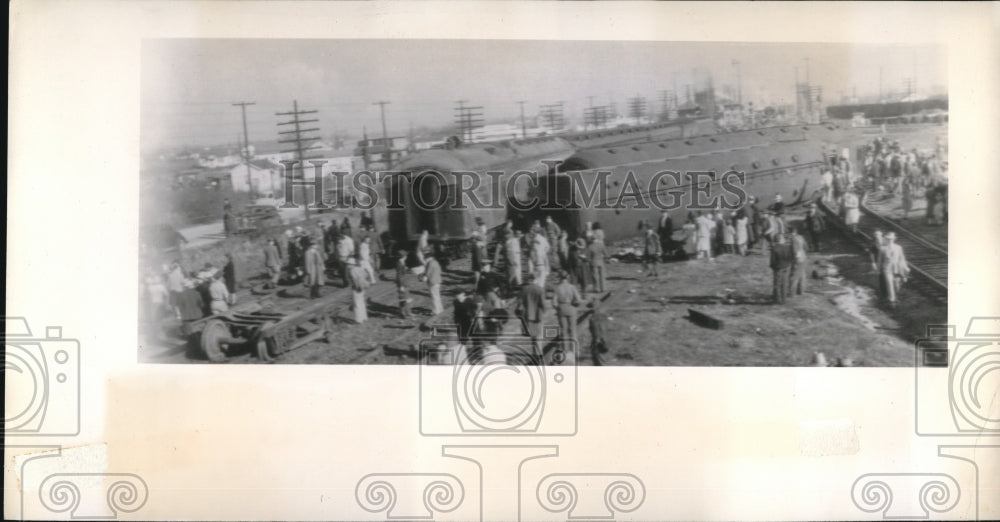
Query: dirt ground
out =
(838, 317)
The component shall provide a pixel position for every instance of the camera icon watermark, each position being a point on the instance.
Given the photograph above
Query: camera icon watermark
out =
(957, 380)
(497, 380)
(42, 381)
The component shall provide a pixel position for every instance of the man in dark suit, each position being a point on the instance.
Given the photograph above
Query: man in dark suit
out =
(781, 263)
(598, 339)
(665, 231)
(531, 307)
(463, 314)
(814, 226)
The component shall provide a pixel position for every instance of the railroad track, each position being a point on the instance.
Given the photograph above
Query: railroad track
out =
(928, 261)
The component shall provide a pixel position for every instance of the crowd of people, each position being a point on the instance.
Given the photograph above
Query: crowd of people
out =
(511, 266)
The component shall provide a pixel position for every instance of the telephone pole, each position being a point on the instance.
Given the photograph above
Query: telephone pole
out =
(637, 108)
(386, 150)
(739, 83)
(468, 119)
(297, 136)
(246, 145)
(524, 128)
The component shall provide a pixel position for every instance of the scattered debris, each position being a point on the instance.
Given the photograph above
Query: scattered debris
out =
(705, 320)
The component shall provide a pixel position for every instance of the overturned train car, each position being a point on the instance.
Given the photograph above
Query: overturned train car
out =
(619, 187)
(440, 195)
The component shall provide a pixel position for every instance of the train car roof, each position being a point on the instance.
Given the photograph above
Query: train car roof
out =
(765, 157)
(596, 157)
(481, 156)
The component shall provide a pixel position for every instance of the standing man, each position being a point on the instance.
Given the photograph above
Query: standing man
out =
(665, 230)
(359, 283)
(566, 298)
(365, 259)
(314, 269)
(704, 226)
(651, 252)
(512, 249)
(754, 218)
(272, 262)
(540, 258)
(781, 263)
(218, 295)
(598, 340)
(851, 210)
(814, 227)
(345, 250)
(596, 254)
(175, 286)
(401, 289)
(552, 235)
(893, 269)
(463, 314)
(580, 264)
(531, 307)
(230, 273)
(433, 274)
(800, 264)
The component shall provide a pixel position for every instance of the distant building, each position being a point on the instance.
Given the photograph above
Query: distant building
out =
(266, 177)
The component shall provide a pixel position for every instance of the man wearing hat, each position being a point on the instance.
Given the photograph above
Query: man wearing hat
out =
(432, 272)
(781, 262)
(314, 269)
(345, 250)
(814, 226)
(851, 210)
(272, 262)
(665, 230)
(566, 298)
(598, 339)
(893, 269)
(800, 262)
(512, 251)
(359, 283)
(596, 254)
(401, 290)
(651, 252)
(190, 305)
(531, 306)
(218, 295)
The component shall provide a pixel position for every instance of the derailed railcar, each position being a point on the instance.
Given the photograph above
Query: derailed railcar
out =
(618, 196)
(436, 194)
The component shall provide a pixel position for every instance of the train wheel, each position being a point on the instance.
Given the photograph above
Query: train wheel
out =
(265, 343)
(211, 346)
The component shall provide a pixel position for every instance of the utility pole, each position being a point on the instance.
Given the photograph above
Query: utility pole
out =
(553, 115)
(386, 149)
(739, 83)
(637, 107)
(246, 145)
(468, 119)
(880, 84)
(524, 128)
(298, 135)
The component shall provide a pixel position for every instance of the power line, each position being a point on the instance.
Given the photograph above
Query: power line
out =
(468, 119)
(637, 108)
(297, 136)
(386, 149)
(246, 145)
(524, 128)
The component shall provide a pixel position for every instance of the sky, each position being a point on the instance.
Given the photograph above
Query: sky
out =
(189, 85)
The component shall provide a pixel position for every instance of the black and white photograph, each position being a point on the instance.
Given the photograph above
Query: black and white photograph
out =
(511, 261)
(614, 203)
